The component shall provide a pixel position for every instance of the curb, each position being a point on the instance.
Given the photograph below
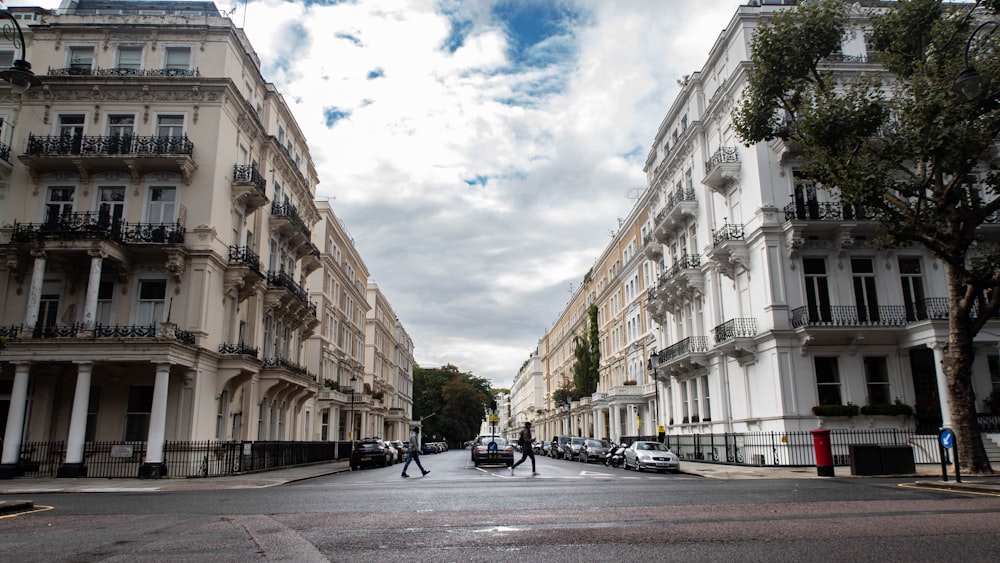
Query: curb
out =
(959, 487)
(13, 506)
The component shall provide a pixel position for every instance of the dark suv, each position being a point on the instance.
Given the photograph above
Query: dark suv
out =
(571, 450)
(557, 449)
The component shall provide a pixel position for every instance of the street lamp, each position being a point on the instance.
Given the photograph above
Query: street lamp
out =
(654, 362)
(350, 432)
(969, 82)
(19, 75)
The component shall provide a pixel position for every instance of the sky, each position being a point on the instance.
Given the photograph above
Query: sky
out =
(480, 152)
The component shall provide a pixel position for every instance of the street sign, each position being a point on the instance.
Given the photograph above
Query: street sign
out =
(947, 439)
(494, 418)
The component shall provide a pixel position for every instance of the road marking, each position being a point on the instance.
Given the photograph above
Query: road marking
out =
(36, 509)
(595, 474)
(949, 490)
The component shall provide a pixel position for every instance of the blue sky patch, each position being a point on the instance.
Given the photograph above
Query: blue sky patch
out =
(348, 37)
(376, 73)
(477, 180)
(540, 32)
(332, 115)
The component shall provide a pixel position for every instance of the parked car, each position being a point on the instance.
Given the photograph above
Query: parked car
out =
(429, 448)
(651, 455)
(556, 447)
(544, 447)
(493, 450)
(391, 452)
(571, 450)
(595, 450)
(401, 449)
(369, 453)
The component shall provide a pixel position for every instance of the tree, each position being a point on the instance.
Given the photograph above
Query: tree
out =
(587, 355)
(899, 143)
(454, 398)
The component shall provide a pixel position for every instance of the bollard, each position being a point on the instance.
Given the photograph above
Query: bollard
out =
(824, 452)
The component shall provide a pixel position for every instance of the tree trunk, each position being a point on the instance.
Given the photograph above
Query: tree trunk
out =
(957, 368)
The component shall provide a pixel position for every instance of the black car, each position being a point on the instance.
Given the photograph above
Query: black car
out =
(369, 453)
(492, 450)
(557, 447)
(595, 450)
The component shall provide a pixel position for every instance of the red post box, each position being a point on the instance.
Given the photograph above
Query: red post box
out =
(824, 452)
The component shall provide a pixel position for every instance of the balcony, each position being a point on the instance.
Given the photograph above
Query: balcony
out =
(682, 280)
(285, 219)
(651, 248)
(88, 155)
(279, 363)
(124, 71)
(686, 355)
(722, 169)
(283, 292)
(735, 338)
(97, 226)
(730, 249)
(679, 208)
(239, 349)
(310, 256)
(244, 274)
(249, 187)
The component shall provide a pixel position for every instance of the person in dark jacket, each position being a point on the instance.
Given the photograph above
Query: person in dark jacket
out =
(414, 454)
(526, 451)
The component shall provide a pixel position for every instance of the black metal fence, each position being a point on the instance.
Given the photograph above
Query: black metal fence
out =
(790, 449)
(183, 459)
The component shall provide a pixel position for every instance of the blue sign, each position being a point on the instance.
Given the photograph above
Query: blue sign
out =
(491, 447)
(947, 438)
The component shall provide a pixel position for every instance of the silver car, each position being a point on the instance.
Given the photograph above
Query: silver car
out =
(651, 455)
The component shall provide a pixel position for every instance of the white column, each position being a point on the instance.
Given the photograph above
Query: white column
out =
(35, 292)
(158, 416)
(942, 383)
(15, 416)
(93, 285)
(78, 418)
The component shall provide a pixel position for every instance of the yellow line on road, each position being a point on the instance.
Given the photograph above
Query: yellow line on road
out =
(949, 490)
(36, 509)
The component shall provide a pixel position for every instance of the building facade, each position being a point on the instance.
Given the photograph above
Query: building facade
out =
(157, 234)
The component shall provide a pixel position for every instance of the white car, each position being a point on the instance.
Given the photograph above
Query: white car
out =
(651, 455)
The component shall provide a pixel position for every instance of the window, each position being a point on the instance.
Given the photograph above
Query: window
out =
(140, 405)
(177, 58)
(93, 405)
(877, 380)
(913, 289)
(6, 58)
(170, 126)
(324, 425)
(81, 60)
(48, 305)
(162, 206)
(59, 203)
(221, 415)
(129, 60)
(70, 131)
(152, 302)
(865, 297)
(105, 302)
(111, 205)
(828, 381)
(121, 125)
(817, 290)
(261, 413)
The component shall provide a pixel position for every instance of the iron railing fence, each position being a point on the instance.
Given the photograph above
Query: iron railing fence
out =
(183, 459)
(790, 449)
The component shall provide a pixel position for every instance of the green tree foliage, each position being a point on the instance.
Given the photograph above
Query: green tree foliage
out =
(587, 353)
(454, 398)
(901, 144)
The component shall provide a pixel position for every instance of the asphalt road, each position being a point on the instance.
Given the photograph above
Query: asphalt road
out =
(570, 512)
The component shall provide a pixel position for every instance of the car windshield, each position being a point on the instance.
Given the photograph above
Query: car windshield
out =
(595, 444)
(487, 439)
(577, 441)
(651, 446)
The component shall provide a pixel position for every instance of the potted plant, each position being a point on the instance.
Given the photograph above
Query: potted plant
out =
(848, 410)
(897, 408)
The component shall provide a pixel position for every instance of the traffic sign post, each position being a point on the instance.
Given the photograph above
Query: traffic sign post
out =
(946, 441)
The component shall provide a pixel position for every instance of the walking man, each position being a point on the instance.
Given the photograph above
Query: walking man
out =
(414, 454)
(526, 449)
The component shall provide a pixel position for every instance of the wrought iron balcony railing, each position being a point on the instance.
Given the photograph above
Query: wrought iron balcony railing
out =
(728, 232)
(248, 174)
(91, 225)
(929, 309)
(279, 362)
(724, 154)
(686, 262)
(281, 279)
(4, 152)
(826, 211)
(245, 256)
(123, 71)
(735, 328)
(290, 212)
(238, 349)
(690, 345)
(111, 145)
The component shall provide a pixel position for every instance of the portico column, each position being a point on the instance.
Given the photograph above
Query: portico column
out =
(73, 466)
(35, 292)
(942, 383)
(15, 422)
(93, 286)
(154, 468)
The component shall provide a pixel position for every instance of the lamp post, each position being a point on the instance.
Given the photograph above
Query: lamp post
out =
(969, 82)
(19, 75)
(350, 432)
(654, 362)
